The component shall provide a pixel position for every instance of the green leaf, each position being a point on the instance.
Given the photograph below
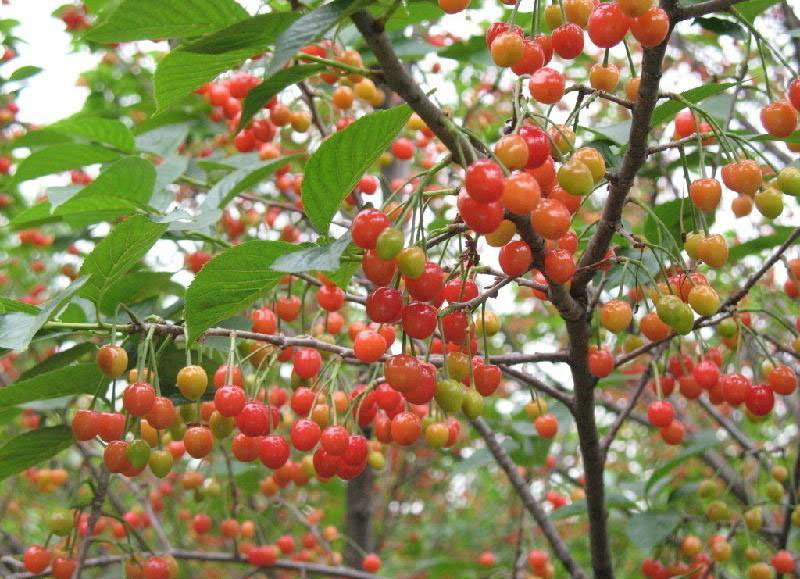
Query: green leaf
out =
(127, 243)
(24, 72)
(324, 257)
(39, 138)
(196, 63)
(157, 19)
(232, 281)
(163, 141)
(665, 112)
(698, 445)
(670, 215)
(613, 501)
(413, 12)
(106, 131)
(307, 29)
(470, 51)
(260, 95)
(338, 164)
(720, 26)
(648, 529)
(759, 244)
(59, 360)
(136, 287)
(618, 133)
(17, 329)
(342, 276)
(62, 157)
(64, 381)
(31, 448)
(237, 181)
(7, 305)
(749, 10)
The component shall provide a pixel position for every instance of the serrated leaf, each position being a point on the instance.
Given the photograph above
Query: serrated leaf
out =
(62, 157)
(325, 257)
(31, 448)
(261, 94)
(232, 281)
(237, 181)
(24, 72)
(163, 141)
(7, 305)
(759, 244)
(136, 287)
(59, 360)
(665, 112)
(196, 63)
(309, 28)
(127, 243)
(338, 164)
(648, 529)
(106, 131)
(157, 19)
(17, 329)
(64, 381)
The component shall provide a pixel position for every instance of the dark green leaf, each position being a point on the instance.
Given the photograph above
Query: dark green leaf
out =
(648, 529)
(64, 381)
(720, 26)
(157, 19)
(232, 281)
(260, 95)
(127, 243)
(31, 448)
(62, 157)
(338, 164)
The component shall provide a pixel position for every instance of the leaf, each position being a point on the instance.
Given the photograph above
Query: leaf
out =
(31, 448)
(720, 26)
(194, 64)
(260, 95)
(613, 501)
(232, 281)
(61, 157)
(648, 529)
(163, 141)
(325, 257)
(413, 12)
(698, 445)
(470, 51)
(136, 287)
(7, 305)
(64, 381)
(38, 138)
(338, 164)
(759, 244)
(24, 72)
(749, 10)
(157, 19)
(342, 276)
(236, 182)
(617, 132)
(665, 112)
(307, 29)
(127, 243)
(107, 131)
(17, 329)
(58, 360)
(670, 215)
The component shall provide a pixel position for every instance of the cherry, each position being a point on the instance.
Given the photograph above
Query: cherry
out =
(115, 456)
(264, 321)
(454, 326)
(112, 361)
(356, 452)
(230, 400)
(546, 425)
(457, 291)
(110, 425)
(305, 434)
(371, 563)
(487, 378)
(607, 25)
(660, 413)
(484, 181)
(138, 398)
(550, 219)
(742, 176)
(425, 388)
(63, 568)
(779, 119)
(734, 388)
(155, 568)
(506, 49)
(705, 193)
(274, 451)
(389, 243)
(426, 287)
(325, 464)
(673, 434)
(369, 346)
(547, 85)
(651, 28)
(263, 556)
(568, 41)
(163, 414)
(616, 316)
(403, 149)
(782, 380)
(559, 265)
(419, 320)
(601, 363)
(532, 58)
(221, 376)
(254, 419)
(759, 399)
(521, 193)
(198, 441)
(783, 561)
(377, 270)
(36, 558)
(406, 428)
(384, 305)
(330, 297)
(367, 226)
(192, 381)
(538, 145)
(706, 374)
(498, 28)
(482, 218)
(402, 372)
(411, 262)
(605, 78)
(307, 362)
(515, 258)
(334, 440)
(85, 425)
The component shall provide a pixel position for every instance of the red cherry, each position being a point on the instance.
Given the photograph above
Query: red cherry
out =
(330, 298)
(325, 464)
(607, 25)
(230, 400)
(335, 440)
(419, 320)
(706, 374)
(759, 399)
(601, 363)
(568, 40)
(487, 378)
(484, 181)
(369, 346)
(264, 321)
(138, 398)
(274, 451)
(660, 413)
(36, 558)
(457, 291)
(384, 305)
(515, 258)
(367, 226)
(482, 218)
(307, 362)
(305, 434)
(356, 452)
(428, 285)
(538, 145)
(734, 388)
(254, 419)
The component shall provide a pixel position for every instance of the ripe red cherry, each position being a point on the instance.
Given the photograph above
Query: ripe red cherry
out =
(36, 558)
(406, 428)
(254, 419)
(302, 400)
(783, 561)
(759, 399)
(63, 568)
(263, 556)
(607, 25)
(288, 308)
(378, 271)
(547, 85)
(307, 362)
(330, 298)
(245, 448)
(305, 434)
(484, 181)
(794, 93)
(402, 372)
(84, 425)
(425, 388)
(660, 413)
(384, 305)
(325, 464)
(487, 378)
(601, 363)
(532, 58)
(274, 452)
(230, 400)
(482, 218)
(367, 226)
(673, 434)
(515, 258)
(201, 524)
(782, 380)
(371, 563)
(110, 426)
(779, 119)
(419, 320)
(454, 326)
(369, 346)
(538, 145)
(651, 28)
(155, 568)
(551, 219)
(457, 291)
(735, 388)
(403, 149)
(264, 321)
(163, 413)
(138, 398)
(568, 40)
(706, 374)
(221, 376)
(198, 441)
(335, 440)
(559, 265)
(498, 28)
(356, 452)
(427, 286)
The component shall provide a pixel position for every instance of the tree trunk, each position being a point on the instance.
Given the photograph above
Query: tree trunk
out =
(359, 517)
